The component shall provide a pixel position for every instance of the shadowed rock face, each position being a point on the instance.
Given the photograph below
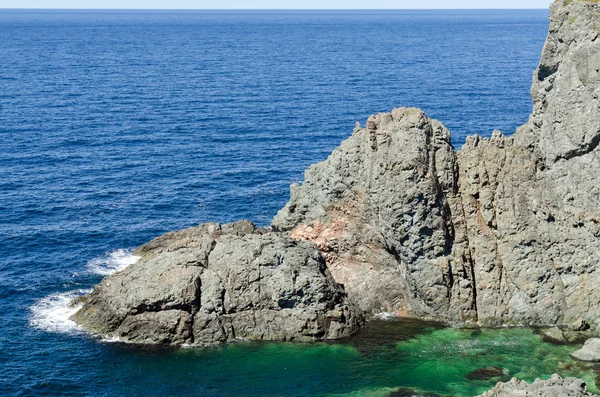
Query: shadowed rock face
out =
(217, 283)
(505, 231)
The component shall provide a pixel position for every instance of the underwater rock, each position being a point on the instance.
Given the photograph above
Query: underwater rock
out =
(486, 373)
(216, 283)
(589, 352)
(553, 387)
(408, 392)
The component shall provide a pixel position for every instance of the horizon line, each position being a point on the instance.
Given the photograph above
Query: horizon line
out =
(263, 9)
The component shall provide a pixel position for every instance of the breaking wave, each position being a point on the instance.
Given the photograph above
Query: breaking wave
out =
(112, 262)
(52, 313)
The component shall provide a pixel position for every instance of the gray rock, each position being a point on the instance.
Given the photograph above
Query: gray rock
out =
(589, 352)
(532, 201)
(218, 283)
(554, 335)
(380, 209)
(504, 232)
(579, 325)
(553, 387)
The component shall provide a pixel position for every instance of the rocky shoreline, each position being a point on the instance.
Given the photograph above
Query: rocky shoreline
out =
(503, 232)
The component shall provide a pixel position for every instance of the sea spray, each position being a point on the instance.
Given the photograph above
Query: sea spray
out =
(112, 262)
(52, 313)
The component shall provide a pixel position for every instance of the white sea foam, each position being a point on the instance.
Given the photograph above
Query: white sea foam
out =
(112, 339)
(112, 262)
(386, 316)
(52, 312)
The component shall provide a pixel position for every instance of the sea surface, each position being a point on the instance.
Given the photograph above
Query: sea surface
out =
(118, 126)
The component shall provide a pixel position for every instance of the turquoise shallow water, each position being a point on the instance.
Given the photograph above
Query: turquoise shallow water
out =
(119, 126)
(405, 357)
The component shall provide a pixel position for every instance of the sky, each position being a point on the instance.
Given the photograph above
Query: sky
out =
(272, 4)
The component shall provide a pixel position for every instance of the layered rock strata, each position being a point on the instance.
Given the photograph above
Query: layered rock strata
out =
(217, 283)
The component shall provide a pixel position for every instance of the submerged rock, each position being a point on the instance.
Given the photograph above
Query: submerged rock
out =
(589, 352)
(216, 283)
(553, 387)
(486, 373)
(408, 392)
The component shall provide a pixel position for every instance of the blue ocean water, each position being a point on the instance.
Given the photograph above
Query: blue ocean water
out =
(119, 126)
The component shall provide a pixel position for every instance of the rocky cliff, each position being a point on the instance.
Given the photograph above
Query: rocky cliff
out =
(506, 231)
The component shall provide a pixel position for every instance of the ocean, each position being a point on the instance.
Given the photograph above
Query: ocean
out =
(118, 126)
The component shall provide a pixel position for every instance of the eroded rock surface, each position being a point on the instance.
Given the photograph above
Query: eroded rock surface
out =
(531, 201)
(506, 231)
(380, 209)
(218, 283)
(553, 387)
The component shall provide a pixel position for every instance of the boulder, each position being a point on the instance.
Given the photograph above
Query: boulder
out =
(589, 352)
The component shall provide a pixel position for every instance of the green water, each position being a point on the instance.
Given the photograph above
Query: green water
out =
(385, 356)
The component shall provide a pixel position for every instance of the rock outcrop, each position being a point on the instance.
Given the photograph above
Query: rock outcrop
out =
(506, 231)
(531, 201)
(380, 208)
(553, 387)
(216, 283)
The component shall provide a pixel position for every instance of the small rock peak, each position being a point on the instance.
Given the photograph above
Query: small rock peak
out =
(372, 123)
(497, 138)
(410, 117)
(404, 118)
(472, 141)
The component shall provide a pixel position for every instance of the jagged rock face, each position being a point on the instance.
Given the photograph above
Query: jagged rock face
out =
(532, 201)
(506, 231)
(553, 387)
(216, 283)
(380, 209)
(566, 84)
